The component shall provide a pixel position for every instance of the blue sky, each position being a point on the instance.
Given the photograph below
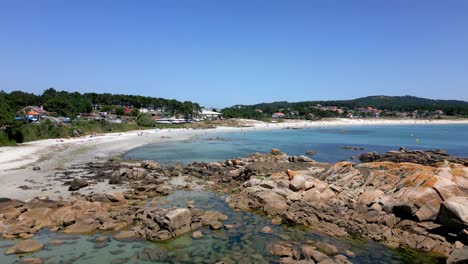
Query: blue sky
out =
(221, 53)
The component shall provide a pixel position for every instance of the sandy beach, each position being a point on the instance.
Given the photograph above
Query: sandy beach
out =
(54, 155)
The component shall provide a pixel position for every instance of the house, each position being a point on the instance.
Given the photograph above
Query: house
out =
(127, 110)
(278, 115)
(209, 114)
(439, 112)
(33, 113)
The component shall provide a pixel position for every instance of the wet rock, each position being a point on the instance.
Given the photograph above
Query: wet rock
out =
(81, 228)
(311, 152)
(327, 248)
(342, 259)
(125, 235)
(216, 225)
(352, 148)
(162, 235)
(284, 250)
(266, 230)
(25, 246)
(101, 239)
(197, 235)
(311, 254)
(31, 261)
(153, 254)
(77, 184)
(430, 158)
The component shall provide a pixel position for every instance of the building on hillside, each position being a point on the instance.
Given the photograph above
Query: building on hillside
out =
(278, 115)
(209, 114)
(33, 113)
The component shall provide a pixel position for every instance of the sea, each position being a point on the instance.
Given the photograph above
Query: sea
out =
(331, 144)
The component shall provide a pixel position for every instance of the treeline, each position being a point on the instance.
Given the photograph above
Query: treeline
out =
(309, 109)
(264, 113)
(70, 104)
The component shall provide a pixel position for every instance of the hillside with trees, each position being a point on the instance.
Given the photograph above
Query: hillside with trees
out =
(387, 105)
(72, 104)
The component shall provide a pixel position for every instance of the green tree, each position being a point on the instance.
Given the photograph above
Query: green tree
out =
(145, 120)
(135, 112)
(7, 116)
(119, 111)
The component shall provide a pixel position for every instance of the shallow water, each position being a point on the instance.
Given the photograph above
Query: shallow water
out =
(327, 142)
(244, 243)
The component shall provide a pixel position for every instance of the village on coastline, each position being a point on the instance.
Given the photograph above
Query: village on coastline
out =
(35, 114)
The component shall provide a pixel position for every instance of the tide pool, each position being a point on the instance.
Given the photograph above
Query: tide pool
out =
(243, 244)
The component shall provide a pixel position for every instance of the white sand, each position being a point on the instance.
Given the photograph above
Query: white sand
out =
(51, 155)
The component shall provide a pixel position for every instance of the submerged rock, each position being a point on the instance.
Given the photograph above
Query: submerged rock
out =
(197, 235)
(25, 246)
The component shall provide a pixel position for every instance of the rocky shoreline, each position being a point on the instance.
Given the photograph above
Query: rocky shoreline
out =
(400, 204)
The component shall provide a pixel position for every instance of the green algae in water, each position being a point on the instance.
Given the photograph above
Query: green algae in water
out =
(244, 243)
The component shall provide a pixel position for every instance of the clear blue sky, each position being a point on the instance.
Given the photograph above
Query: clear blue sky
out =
(221, 53)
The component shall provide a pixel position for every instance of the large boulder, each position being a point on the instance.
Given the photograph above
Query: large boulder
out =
(297, 183)
(273, 203)
(454, 213)
(138, 173)
(407, 201)
(150, 164)
(318, 197)
(179, 221)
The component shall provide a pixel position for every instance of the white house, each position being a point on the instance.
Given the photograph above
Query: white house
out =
(208, 114)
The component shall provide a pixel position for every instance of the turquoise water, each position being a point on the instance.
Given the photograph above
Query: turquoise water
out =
(327, 142)
(243, 244)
